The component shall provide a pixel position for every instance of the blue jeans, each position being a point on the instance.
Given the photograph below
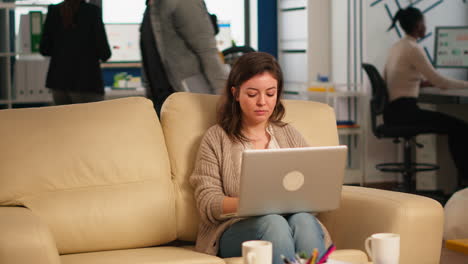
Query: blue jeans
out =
(289, 234)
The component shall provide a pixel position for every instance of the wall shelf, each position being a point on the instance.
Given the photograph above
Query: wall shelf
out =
(10, 60)
(23, 80)
(121, 65)
(349, 105)
(14, 6)
(350, 131)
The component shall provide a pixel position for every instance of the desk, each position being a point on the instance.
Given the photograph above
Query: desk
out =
(438, 96)
(455, 103)
(118, 93)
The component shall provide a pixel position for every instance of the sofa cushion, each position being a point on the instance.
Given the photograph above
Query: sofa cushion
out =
(185, 117)
(155, 255)
(97, 174)
(315, 121)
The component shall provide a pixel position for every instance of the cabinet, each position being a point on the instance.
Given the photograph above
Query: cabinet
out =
(307, 49)
(304, 39)
(350, 107)
(23, 73)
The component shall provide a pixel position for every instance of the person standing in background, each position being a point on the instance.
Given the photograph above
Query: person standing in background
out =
(179, 53)
(75, 39)
(407, 68)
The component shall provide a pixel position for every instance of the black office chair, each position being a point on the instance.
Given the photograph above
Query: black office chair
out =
(408, 168)
(233, 53)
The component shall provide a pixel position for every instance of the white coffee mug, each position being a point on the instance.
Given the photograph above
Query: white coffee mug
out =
(257, 252)
(383, 248)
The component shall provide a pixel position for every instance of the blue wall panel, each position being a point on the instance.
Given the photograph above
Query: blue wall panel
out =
(268, 26)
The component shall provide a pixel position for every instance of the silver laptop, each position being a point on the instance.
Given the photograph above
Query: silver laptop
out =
(290, 180)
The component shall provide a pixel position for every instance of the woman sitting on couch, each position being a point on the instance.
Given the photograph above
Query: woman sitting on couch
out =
(249, 117)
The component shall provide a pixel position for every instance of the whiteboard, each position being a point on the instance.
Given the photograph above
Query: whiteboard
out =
(122, 11)
(124, 41)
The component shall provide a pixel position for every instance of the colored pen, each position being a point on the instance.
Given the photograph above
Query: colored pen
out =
(327, 253)
(298, 259)
(285, 260)
(314, 256)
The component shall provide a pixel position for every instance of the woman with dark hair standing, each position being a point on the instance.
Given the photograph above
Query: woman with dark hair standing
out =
(75, 39)
(249, 117)
(407, 69)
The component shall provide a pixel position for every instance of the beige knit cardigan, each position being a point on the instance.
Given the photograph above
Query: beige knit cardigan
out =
(216, 174)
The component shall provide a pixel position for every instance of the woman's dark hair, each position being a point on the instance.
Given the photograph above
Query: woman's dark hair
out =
(246, 67)
(68, 9)
(408, 19)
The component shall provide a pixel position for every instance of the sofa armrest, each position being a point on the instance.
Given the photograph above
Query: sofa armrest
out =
(364, 211)
(24, 238)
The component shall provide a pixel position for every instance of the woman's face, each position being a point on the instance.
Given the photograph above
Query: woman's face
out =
(420, 30)
(257, 98)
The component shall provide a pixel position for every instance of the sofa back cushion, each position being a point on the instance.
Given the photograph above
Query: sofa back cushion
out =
(97, 174)
(186, 117)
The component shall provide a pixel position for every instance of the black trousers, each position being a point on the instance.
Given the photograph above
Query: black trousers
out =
(159, 85)
(65, 96)
(405, 111)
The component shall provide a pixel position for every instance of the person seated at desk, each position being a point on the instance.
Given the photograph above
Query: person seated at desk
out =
(406, 68)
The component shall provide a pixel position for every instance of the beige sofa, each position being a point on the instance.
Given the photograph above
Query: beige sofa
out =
(108, 183)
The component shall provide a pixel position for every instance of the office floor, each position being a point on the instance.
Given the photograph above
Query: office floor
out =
(452, 257)
(436, 195)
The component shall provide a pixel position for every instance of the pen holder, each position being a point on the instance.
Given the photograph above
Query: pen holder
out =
(304, 261)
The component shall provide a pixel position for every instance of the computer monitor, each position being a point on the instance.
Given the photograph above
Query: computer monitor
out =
(124, 41)
(451, 47)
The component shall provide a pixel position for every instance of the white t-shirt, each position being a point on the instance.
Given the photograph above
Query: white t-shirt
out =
(272, 144)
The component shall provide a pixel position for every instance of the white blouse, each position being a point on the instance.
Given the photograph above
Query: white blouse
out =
(407, 65)
(272, 144)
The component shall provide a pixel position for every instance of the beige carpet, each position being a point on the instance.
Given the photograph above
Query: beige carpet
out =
(452, 257)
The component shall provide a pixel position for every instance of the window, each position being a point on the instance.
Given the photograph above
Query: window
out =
(122, 11)
(231, 14)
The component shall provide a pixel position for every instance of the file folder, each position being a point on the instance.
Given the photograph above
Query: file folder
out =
(35, 19)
